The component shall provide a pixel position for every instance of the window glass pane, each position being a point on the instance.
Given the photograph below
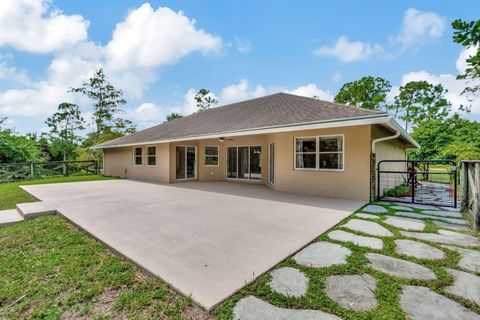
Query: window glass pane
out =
(211, 161)
(151, 160)
(331, 161)
(243, 158)
(232, 162)
(191, 162)
(180, 162)
(138, 160)
(306, 161)
(151, 151)
(306, 145)
(211, 151)
(138, 151)
(255, 163)
(331, 144)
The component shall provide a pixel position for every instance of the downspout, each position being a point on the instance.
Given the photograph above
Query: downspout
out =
(373, 162)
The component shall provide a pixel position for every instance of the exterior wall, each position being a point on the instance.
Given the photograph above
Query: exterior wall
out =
(117, 160)
(389, 150)
(351, 183)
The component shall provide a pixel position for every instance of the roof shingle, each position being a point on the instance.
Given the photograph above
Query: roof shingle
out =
(270, 111)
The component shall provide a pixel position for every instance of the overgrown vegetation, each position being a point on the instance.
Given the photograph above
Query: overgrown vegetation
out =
(388, 287)
(397, 191)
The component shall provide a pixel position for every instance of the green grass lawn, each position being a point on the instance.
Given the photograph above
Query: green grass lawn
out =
(11, 193)
(388, 287)
(51, 270)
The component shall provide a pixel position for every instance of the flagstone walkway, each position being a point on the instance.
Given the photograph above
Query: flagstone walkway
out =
(435, 262)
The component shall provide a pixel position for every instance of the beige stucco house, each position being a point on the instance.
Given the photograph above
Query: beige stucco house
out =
(287, 142)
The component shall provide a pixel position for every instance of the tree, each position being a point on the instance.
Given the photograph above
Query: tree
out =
(205, 99)
(107, 101)
(173, 116)
(16, 148)
(468, 35)
(460, 150)
(435, 135)
(367, 93)
(420, 101)
(64, 125)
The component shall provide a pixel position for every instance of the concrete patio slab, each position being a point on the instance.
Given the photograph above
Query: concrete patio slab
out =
(31, 210)
(205, 239)
(8, 217)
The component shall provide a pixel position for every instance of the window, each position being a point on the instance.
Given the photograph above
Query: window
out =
(137, 156)
(319, 153)
(211, 156)
(151, 156)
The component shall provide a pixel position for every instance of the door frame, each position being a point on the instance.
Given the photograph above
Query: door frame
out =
(269, 160)
(243, 179)
(195, 166)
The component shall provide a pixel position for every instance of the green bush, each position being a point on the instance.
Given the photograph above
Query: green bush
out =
(398, 191)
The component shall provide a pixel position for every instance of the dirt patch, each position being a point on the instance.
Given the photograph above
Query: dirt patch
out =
(196, 313)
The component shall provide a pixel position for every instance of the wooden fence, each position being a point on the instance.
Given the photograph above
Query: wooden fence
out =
(10, 172)
(470, 189)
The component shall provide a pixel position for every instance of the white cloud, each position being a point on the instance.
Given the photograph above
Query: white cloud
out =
(241, 91)
(461, 62)
(349, 51)
(146, 39)
(243, 45)
(36, 26)
(337, 76)
(418, 26)
(149, 38)
(12, 73)
(449, 82)
(311, 90)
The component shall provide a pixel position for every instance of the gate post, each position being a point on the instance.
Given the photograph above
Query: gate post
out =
(31, 170)
(464, 185)
(373, 175)
(412, 178)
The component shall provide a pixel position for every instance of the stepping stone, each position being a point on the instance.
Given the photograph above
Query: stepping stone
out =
(375, 209)
(405, 223)
(450, 209)
(457, 235)
(353, 292)
(423, 216)
(450, 225)
(418, 250)
(361, 241)
(322, 255)
(470, 259)
(252, 308)
(368, 227)
(400, 268)
(33, 210)
(449, 214)
(421, 303)
(443, 239)
(8, 217)
(417, 206)
(367, 215)
(465, 285)
(401, 208)
(289, 281)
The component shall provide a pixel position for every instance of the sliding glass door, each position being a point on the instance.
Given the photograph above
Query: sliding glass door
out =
(271, 163)
(186, 162)
(244, 163)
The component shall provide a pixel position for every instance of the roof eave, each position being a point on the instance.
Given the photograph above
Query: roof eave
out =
(364, 120)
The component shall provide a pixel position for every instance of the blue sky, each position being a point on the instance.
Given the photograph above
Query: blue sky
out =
(160, 52)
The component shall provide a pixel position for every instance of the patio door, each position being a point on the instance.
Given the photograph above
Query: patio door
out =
(271, 163)
(186, 162)
(244, 163)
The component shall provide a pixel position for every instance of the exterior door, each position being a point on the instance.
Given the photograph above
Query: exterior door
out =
(186, 162)
(244, 163)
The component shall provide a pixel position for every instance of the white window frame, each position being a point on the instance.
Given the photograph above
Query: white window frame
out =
(135, 156)
(205, 156)
(147, 156)
(318, 152)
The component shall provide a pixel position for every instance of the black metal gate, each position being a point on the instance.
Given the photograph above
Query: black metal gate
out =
(432, 182)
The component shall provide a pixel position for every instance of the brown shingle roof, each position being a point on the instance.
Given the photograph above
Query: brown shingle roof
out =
(270, 111)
